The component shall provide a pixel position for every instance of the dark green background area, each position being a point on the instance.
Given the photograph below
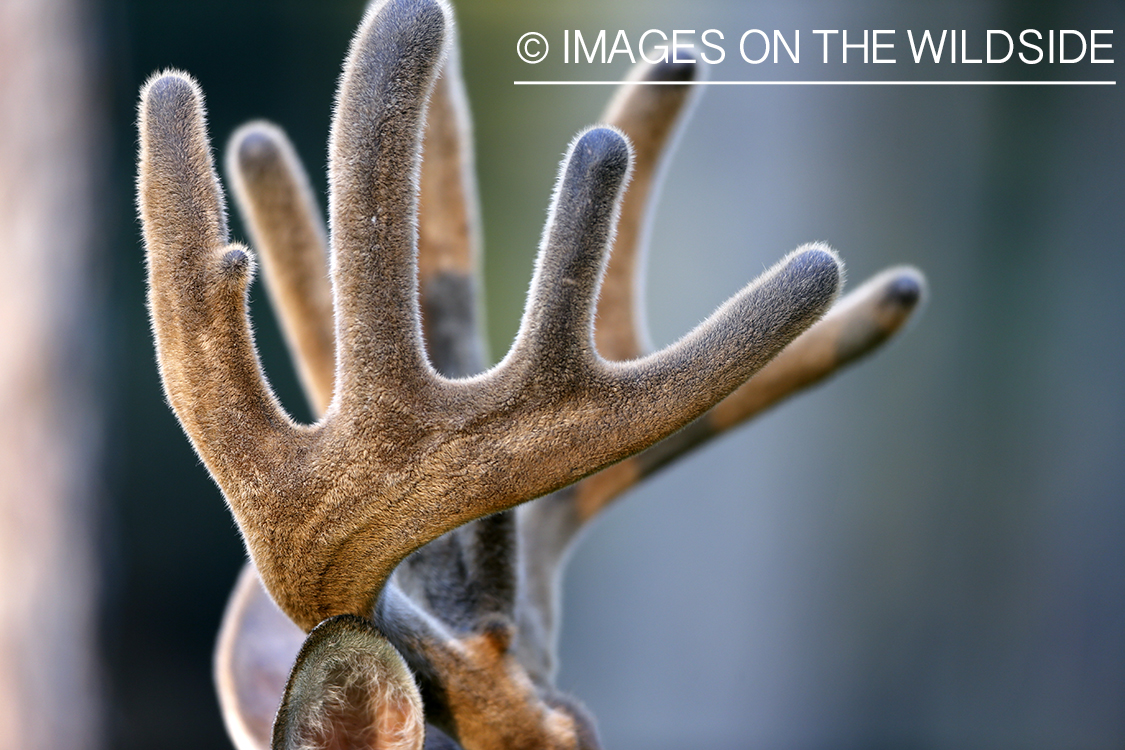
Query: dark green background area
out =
(927, 552)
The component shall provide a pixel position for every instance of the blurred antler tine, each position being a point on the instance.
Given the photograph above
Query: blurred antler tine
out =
(648, 116)
(861, 322)
(272, 192)
(449, 229)
(255, 651)
(469, 577)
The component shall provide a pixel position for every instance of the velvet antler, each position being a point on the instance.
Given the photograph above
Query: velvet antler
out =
(418, 442)
(403, 454)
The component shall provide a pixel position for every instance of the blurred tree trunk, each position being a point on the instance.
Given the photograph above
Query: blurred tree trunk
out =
(50, 125)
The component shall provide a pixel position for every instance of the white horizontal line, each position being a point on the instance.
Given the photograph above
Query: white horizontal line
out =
(816, 83)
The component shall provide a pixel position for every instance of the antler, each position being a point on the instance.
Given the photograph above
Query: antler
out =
(257, 642)
(404, 455)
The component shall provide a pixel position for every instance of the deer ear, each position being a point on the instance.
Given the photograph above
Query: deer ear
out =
(349, 689)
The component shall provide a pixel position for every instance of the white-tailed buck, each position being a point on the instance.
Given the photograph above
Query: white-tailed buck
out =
(397, 531)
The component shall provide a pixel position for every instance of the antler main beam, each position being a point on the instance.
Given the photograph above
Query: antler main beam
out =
(404, 454)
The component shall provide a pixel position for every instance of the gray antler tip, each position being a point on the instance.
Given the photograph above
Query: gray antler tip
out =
(906, 289)
(429, 12)
(169, 87)
(236, 263)
(669, 70)
(818, 262)
(399, 44)
(169, 100)
(429, 15)
(603, 149)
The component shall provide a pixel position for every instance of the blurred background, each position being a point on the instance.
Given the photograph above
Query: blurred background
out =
(926, 552)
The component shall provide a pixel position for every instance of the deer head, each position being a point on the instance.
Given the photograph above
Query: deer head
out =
(388, 531)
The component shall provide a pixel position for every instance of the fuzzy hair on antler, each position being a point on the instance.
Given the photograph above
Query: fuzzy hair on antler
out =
(402, 531)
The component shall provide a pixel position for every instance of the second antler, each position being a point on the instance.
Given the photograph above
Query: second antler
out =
(418, 444)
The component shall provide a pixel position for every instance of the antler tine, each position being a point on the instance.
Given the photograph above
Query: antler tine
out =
(648, 116)
(272, 192)
(255, 650)
(857, 325)
(374, 150)
(557, 324)
(197, 290)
